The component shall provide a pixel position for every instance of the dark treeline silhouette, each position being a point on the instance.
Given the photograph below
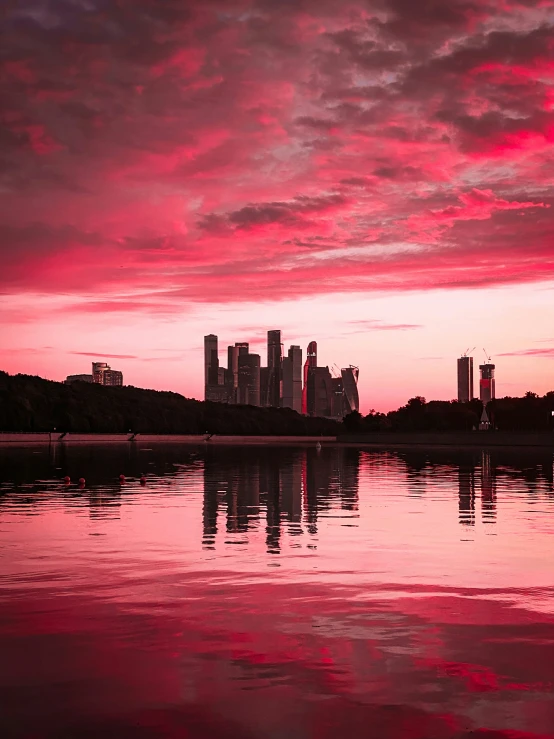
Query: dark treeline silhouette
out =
(29, 403)
(530, 413)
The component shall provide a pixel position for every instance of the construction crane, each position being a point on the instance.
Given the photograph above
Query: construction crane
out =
(467, 351)
(487, 356)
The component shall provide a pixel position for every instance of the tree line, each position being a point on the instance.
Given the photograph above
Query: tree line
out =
(530, 413)
(29, 403)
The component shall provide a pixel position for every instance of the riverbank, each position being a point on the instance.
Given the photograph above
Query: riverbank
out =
(24, 438)
(462, 440)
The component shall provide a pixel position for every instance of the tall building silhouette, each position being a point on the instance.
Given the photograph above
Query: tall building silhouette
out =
(232, 373)
(215, 388)
(264, 377)
(350, 388)
(487, 385)
(465, 379)
(292, 379)
(320, 392)
(274, 369)
(337, 401)
(249, 379)
(211, 363)
(310, 363)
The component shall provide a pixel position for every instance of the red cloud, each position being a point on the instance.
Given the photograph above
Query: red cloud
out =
(225, 149)
(547, 353)
(477, 205)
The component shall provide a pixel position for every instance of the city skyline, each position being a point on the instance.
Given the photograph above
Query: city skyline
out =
(220, 381)
(284, 382)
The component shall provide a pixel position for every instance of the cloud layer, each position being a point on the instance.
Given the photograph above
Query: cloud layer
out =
(189, 151)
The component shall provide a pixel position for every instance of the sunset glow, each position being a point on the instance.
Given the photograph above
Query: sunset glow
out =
(374, 175)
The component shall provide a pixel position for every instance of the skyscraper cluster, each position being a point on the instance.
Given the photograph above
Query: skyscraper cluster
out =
(487, 388)
(282, 383)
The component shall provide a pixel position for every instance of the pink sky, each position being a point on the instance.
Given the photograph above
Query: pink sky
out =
(375, 175)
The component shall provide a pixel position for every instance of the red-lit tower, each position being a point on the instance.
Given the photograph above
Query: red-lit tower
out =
(487, 387)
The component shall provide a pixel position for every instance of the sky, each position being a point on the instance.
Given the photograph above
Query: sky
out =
(374, 175)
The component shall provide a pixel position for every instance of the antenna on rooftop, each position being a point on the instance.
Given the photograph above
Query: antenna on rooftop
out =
(486, 355)
(467, 351)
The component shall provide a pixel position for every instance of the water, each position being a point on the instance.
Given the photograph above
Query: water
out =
(276, 592)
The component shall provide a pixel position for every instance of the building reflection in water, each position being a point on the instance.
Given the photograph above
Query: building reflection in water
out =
(291, 487)
(213, 492)
(271, 484)
(467, 477)
(488, 489)
(466, 495)
(291, 494)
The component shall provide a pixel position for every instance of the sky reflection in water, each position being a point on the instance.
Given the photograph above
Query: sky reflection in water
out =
(276, 592)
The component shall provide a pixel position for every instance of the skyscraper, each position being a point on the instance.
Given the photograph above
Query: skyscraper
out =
(249, 379)
(465, 379)
(292, 379)
(487, 385)
(232, 373)
(215, 387)
(264, 379)
(210, 355)
(351, 400)
(311, 362)
(320, 392)
(337, 406)
(274, 366)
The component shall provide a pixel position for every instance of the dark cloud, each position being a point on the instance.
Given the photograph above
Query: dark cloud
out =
(430, 19)
(288, 213)
(399, 173)
(316, 123)
(356, 181)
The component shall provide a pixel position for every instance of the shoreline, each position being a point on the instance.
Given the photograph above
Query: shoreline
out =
(447, 440)
(24, 438)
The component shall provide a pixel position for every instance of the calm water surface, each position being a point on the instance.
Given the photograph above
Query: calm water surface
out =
(279, 592)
